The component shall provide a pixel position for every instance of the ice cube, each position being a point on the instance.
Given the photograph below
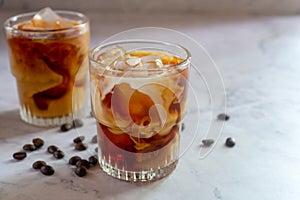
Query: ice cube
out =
(46, 14)
(133, 62)
(125, 64)
(111, 55)
(151, 62)
(121, 65)
(47, 19)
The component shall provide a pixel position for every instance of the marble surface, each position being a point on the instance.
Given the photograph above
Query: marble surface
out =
(258, 58)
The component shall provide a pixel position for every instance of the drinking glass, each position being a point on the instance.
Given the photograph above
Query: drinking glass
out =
(139, 92)
(50, 65)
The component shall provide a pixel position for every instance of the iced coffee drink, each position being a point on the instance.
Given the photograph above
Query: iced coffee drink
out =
(139, 94)
(49, 58)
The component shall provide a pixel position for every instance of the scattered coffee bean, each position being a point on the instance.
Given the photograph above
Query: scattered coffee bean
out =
(19, 155)
(81, 146)
(52, 148)
(93, 160)
(73, 160)
(83, 162)
(38, 164)
(223, 117)
(182, 127)
(47, 170)
(96, 149)
(207, 142)
(77, 123)
(78, 139)
(29, 147)
(230, 142)
(58, 154)
(94, 139)
(81, 171)
(38, 142)
(66, 127)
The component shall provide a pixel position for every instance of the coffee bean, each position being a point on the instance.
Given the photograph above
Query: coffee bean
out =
(94, 139)
(81, 171)
(223, 117)
(29, 147)
(83, 162)
(78, 139)
(77, 123)
(96, 149)
(81, 146)
(19, 155)
(93, 160)
(38, 142)
(58, 154)
(230, 142)
(47, 170)
(52, 148)
(207, 142)
(73, 160)
(38, 164)
(66, 127)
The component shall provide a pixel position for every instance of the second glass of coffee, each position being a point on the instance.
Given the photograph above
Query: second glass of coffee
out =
(49, 58)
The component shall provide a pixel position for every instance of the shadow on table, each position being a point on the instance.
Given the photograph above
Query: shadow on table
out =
(64, 184)
(11, 125)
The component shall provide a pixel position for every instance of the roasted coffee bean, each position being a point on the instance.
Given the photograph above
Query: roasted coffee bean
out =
(19, 155)
(38, 164)
(38, 142)
(52, 148)
(78, 139)
(96, 149)
(73, 160)
(93, 160)
(47, 170)
(81, 171)
(29, 147)
(207, 142)
(83, 162)
(230, 142)
(81, 146)
(223, 117)
(66, 127)
(94, 139)
(77, 123)
(58, 154)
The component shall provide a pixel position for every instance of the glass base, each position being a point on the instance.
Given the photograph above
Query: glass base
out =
(27, 117)
(137, 176)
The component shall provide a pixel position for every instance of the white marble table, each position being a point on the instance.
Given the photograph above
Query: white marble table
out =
(258, 57)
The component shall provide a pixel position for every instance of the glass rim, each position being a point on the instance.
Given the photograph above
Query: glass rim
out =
(14, 18)
(115, 43)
